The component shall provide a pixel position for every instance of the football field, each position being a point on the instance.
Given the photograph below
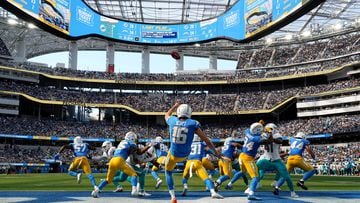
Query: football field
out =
(63, 188)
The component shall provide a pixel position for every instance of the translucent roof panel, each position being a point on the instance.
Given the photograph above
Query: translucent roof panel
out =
(161, 11)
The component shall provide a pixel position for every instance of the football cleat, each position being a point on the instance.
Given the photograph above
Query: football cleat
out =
(276, 191)
(216, 195)
(302, 185)
(144, 194)
(184, 192)
(216, 186)
(95, 192)
(78, 178)
(158, 183)
(247, 191)
(229, 187)
(253, 197)
(119, 189)
(293, 195)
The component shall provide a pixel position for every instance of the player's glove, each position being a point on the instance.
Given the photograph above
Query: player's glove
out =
(57, 156)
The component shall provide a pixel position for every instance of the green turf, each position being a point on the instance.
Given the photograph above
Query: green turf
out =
(68, 183)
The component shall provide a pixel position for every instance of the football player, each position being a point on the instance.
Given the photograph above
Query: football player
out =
(271, 159)
(161, 150)
(80, 150)
(297, 146)
(125, 148)
(225, 164)
(237, 171)
(253, 140)
(194, 164)
(181, 129)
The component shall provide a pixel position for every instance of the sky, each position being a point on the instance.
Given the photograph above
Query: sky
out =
(130, 62)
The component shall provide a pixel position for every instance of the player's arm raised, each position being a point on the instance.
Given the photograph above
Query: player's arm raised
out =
(171, 110)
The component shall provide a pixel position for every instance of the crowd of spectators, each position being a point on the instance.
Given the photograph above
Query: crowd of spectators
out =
(160, 102)
(48, 127)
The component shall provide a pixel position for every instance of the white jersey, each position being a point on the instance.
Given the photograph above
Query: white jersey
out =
(109, 153)
(272, 150)
(143, 158)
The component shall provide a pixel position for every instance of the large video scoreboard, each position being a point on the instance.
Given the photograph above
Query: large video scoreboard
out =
(76, 19)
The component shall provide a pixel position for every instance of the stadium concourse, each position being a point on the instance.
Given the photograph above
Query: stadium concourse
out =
(160, 197)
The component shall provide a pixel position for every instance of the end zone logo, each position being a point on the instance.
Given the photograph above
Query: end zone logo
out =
(84, 16)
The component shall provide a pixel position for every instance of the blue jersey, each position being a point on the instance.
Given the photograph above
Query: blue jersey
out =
(80, 149)
(251, 144)
(197, 151)
(297, 146)
(161, 151)
(124, 149)
(181, 135)
(228, 150)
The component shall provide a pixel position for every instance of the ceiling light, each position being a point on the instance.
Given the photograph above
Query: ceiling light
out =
(288, 36)
(31, 26)
(12, 21)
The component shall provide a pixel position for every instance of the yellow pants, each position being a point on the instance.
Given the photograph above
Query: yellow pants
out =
(208, 165)
(299, 162)
(225, 167)
(197, 167)
(171, 161)
(161, 160)
(118, 163)
(80, 163)
(247, 164)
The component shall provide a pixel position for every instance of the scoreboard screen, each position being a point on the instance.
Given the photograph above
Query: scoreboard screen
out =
(76, 19)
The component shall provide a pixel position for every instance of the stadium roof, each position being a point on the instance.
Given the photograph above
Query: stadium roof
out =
(161, 11)
(332, 16)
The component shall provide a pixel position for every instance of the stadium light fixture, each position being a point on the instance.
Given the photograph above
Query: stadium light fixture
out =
(197, 45)
(306, 33)
(337, 26)
(288, 36)
(268, 40)
(31, 26)
(12, 21)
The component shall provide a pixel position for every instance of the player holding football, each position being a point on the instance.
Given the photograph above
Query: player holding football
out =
(181, 129)
(80, 150)
(298, 144)
(194, 164)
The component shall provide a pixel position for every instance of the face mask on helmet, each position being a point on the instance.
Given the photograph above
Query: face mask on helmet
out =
(78, 140)
(106, 145)
(131, 136)
(184, 111)
(159, 140)
(270, 127)
(300, 135)
(256, 128)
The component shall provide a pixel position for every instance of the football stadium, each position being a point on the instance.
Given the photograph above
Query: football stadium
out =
(281, 125)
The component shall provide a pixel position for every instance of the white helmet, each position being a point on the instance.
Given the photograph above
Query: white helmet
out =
(131, 136)
(106, 145)
(196, 138)
(158, 140)
(78, 140)
(256, 128)
(184, 110)
(270, 127)
(300, 135)
(229, 139)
